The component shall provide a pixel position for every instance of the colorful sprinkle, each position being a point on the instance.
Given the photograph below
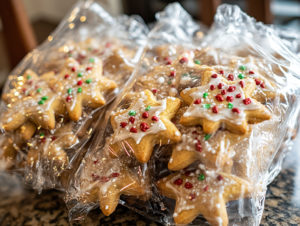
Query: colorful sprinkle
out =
(198, 146)
(184, 75)
(178, 181)
(229, 105)
(172, 73)
(214, 76)
(247, 101)
(220, 85)
(188, 185)
(154, 118)
(251, 72)
(221, 72)
(73, 69)
(79, 90)
(154, 91)
(45, 98)
(212, 87)
(183, 60)
(80, 74)
(236, 110)
(241, 76)
(223, 92)
(205, 94)
(263, 85)
(144, 127)
(205, 188)
(69, 98)
(257, 82)
(132, 113)
(123, 124)
(207, 136)
(42, 135)
(207, 106)
(220, 177)
(230, 98)
(39, 90)
(243, 68)
(230, 77)
(198, 101)
(79, 82)
(219, 98)
(238, 95)
(28, 77)
(133, 130)
(197, 62)
(231, 88)
(201, 177)
(145, 115)
(67, 76)
(92, 60)
(88, 81)
(69, 91)
(115, 174)
(192, 196)
(89, 68)
(131, 119)
(242, 83)
(41, 102)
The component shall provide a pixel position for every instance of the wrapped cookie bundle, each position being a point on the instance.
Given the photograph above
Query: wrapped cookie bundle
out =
(199, 130)
(55, 99)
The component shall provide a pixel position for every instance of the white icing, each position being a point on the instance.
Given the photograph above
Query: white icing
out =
(139, 106)
(224, 112)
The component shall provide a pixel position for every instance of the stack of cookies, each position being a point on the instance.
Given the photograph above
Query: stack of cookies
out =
(202, 135)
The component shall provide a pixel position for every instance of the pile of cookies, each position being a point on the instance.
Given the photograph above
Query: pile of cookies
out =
(49, 117)
(199, 134)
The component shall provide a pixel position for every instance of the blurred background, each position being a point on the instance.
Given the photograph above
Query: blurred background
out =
(25, 24)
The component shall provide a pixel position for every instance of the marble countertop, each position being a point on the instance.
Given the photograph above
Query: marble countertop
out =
(20, 207)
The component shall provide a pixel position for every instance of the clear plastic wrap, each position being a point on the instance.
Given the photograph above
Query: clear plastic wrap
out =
(201, 130)
(56, 97)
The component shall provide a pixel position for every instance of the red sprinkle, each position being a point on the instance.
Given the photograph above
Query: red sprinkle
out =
(220, 177)
(206, 188)
(154, 118)
(168, 62)
(123, 124)
(229, 98)
(212, 87)
(188, 173)
(263, 85)
(188, 185)
(214, 76)
(30, 82)
(198, 101)
(247, 101)
(251, 72)
(132, 119)
(219, 98)
(236, 110)
(183, 60)
(215, 109)
(53, 138)
(257, 82)
(198, 145)
(195, 132)
(221, 72)
(154, 91)
(73, 69)
(173, 73)
(24, 90)
(192, 196)
(144, 126)
(223, 92)
(145, 114)
(238, 95)
(107, 45)
(231, 88)
(230, 77)
(242, 83)
(88, 68)
(220, 85)
(95, 177)
(80, 82)
(104, 179)
(133, 130)
(95, 162)
(69, 99)
(166, 58)
(43, 140)
(178, 181)
(115, 174)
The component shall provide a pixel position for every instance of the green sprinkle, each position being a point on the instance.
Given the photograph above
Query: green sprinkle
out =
(241, 76)
(206, 106)
(88, 81)
(169, 82)
(205, 94)
(41, 102)
(201, 177)
(185, 75)
(70, 55)
(148, 108)
(230, 105)
(79, 90)
(207, 136)
(89, 49)
(42, 135)
(39, 90)
(91, 60)
(80, 74)
(70, 91)
(132, 112)
(28, 77)
(243, 68)
(45, 98)
(197, 62)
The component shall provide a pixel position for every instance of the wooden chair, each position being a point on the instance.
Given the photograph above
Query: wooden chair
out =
(18, 33)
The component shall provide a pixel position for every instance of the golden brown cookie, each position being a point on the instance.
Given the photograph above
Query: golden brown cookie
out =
(145, 123)
(197, 192)
(219, 102)
(82, 86)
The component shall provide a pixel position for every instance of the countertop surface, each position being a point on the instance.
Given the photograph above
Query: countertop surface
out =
(20, 207)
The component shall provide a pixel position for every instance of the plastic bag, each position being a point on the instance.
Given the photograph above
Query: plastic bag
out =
(201, 131)
(56, 97)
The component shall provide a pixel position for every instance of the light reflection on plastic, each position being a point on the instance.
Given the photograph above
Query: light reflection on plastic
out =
(82, 19)
(71, 25)
(50, 38)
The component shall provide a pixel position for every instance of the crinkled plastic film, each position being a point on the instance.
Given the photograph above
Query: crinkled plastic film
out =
(57, 96)
(201, 130)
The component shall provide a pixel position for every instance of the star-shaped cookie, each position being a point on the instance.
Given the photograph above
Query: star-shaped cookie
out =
(32, 100)
(219, 102)
(174, 75)
(105, 179)
(213, 150)
(52, 146)
(145, 123)
(82, 86)
(197, 192)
